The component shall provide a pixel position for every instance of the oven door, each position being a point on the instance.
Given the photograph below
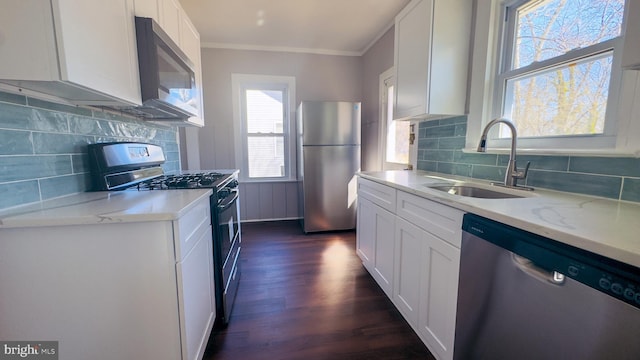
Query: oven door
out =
(228, 232)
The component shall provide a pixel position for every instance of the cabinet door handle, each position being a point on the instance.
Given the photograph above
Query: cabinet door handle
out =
(530, 268)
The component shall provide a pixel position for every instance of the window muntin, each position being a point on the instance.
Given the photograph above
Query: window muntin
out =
(558, 66)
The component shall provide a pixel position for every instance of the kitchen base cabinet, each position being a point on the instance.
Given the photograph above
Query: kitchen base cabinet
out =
(111, 291)
(419, 272)
(440, 267)
(376, 242)
(366, 233)
(408, 259)
(426, 284)
(197, 308)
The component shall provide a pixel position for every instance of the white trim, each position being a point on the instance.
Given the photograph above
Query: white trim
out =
(213, 45)
(192, 146)
(382, 117)
(267, 181)
(237, 83)
(383, 121)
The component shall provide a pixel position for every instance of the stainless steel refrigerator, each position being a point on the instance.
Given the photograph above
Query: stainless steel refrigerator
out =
(328, 159)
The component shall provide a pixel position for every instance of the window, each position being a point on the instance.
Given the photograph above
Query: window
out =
(395, 134)
(262, 112)
(559, 73)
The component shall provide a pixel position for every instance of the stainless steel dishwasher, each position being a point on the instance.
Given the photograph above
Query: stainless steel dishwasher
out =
(523, 296)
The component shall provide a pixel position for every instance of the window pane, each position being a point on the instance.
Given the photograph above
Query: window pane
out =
(546, 29)
(569, 100)
(265, 111)
(398, 142)
(397, 134)
(266, 156)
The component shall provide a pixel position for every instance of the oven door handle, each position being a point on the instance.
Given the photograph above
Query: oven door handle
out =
(228, 201)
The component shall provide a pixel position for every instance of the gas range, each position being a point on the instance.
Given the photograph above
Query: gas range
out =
(125, 165)
(184, 181)
(137, 167)
(220, 181)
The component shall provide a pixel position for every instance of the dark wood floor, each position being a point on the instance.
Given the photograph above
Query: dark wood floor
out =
(308, 297)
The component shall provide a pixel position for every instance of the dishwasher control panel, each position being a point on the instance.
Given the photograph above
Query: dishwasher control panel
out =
(619, 280)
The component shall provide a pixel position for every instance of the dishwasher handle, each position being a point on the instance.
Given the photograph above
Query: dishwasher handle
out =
(530, 268)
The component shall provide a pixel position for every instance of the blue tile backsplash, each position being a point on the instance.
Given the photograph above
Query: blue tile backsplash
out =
(43, 146)
(440, 144)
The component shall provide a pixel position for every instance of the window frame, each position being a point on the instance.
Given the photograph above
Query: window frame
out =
(487, 87)
(243, 82)
(505, 53)
(387, 78)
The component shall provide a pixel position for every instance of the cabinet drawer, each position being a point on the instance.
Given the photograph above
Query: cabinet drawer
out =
(440, 220)
(188, 227)
(381, 195)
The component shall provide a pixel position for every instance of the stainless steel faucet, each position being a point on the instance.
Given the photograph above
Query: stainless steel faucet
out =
(512, 174)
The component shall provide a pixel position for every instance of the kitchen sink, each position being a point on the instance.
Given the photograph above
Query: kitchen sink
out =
(475, 192)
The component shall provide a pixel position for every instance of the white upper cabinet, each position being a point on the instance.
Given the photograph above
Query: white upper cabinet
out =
(171, 14)
(149, 9)
(81, 50)
(190, 44)
(431, 58)
(167, 13)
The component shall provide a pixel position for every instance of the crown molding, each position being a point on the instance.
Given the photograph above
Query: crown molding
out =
(212, 45)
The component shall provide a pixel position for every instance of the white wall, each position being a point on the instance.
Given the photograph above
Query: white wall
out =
(318, 77)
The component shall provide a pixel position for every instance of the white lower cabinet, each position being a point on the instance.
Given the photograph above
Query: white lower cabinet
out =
(132, 290)
(439, 268)
(197, 303)
(419, 271)
(408, 260)
(376, 242)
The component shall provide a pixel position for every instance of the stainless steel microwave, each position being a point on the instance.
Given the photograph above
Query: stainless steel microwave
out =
(167, 76)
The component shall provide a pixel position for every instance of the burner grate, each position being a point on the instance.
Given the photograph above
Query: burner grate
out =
(182, 181)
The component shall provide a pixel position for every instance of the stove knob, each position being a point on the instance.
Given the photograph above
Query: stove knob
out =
(223, 193)
(233, 184)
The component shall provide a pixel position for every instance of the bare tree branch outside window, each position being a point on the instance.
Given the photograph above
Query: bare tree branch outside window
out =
(568, 98)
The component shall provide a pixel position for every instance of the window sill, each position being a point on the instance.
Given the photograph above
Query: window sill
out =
(265, 181)
(561, 152)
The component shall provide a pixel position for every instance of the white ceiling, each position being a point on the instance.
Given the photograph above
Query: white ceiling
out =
(341, 27)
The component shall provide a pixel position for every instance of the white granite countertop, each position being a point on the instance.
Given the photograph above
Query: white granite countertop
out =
(603, 226)
(104, 207)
